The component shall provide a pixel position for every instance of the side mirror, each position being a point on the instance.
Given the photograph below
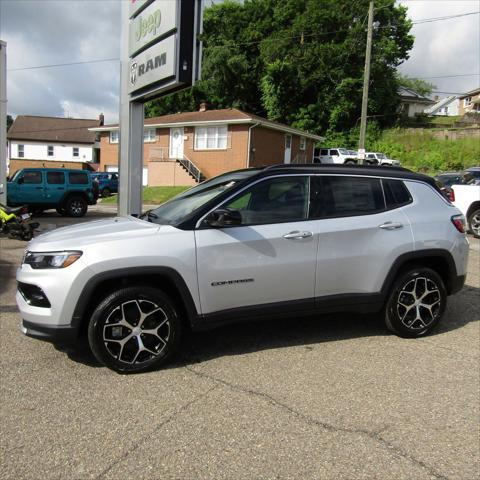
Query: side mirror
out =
(223, 217)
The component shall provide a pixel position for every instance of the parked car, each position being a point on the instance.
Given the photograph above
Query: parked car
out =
(107, 182)
(68, 191)
(467, 199)
(471, 176)
(381, 159)
(336, 155)
(448, 179)
(247, 245)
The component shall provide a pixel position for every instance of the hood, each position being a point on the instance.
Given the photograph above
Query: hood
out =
(99, 231)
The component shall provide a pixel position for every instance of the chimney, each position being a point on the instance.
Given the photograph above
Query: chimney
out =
(101, 119)
(203, 107)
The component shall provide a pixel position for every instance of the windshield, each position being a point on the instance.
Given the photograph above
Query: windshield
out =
(181, 206)
(343, 151)
(381, 156)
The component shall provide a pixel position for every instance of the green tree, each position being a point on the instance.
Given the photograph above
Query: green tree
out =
(9, 121)
(299, 61)
(416, 84)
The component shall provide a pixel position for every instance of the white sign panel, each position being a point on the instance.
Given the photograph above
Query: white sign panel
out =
(156, 20)
(153, 65)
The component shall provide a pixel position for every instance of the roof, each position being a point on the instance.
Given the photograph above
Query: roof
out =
(441, 104)
(227, 115)
(410, 95)
(471, 93)
(52, 129)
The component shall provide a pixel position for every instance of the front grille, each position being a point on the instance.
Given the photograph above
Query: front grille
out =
(33, 295)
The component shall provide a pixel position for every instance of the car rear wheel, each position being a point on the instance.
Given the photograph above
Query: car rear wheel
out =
(350, 162)
(474, 223)
(76, 206)
(416, 303)
(135, 329)
(106, 192)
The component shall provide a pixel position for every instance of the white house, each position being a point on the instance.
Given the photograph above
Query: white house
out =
(52, 142)
(412, 103)
(448, 107)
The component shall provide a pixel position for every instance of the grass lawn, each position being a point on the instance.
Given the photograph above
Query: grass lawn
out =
(152, 195)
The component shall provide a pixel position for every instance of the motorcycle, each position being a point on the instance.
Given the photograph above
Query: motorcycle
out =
(15, 222)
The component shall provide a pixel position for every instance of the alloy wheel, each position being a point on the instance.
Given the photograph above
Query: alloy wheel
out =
(475, 223)
(419, 303)
(136, 331)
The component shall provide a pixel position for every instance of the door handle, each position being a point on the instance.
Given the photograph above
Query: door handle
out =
(391, 225)
(296, 235)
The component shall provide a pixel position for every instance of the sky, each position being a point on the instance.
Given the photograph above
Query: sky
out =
(50, 32)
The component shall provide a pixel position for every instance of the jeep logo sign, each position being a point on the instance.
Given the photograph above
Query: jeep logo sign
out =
(153, 65)
(152, 23)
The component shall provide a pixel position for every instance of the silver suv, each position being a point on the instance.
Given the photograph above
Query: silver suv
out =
(245, 245)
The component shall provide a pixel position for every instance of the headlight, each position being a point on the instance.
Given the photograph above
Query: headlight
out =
(51, 259)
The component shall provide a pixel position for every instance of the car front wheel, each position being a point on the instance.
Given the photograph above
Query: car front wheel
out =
(76, 206)
(416, 303)
(135, 329)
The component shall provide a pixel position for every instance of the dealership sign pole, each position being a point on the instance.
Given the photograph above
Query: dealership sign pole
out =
(161, 54)
(3, 122)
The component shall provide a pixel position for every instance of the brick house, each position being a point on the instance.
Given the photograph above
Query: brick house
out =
(184, 148)
(469, 102)
(52, 142)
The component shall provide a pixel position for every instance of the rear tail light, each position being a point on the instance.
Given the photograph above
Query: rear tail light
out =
(459, 223)
(451, 195)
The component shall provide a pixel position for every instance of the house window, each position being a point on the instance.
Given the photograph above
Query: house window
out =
(467, 101)
(211, 138)
(303, 143)
(446, 110)
(50, 151)
(149, 135)
(76, 152)
(21, 151)
(114, 136)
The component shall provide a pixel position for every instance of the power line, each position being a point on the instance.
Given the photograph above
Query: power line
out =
(63, 64)
(450, 76)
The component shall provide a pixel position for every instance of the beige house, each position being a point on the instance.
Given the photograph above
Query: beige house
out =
(185, 148)
(469, 102)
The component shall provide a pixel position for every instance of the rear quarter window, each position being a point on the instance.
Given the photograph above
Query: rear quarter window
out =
(396, 194)
(78, 178)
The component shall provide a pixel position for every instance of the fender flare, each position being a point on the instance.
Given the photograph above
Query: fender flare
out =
(173, 276)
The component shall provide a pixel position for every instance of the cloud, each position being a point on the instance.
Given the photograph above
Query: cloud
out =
(54, 32)
(446, 47)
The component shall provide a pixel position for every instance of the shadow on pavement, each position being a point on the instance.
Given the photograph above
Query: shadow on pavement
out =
(308, 332)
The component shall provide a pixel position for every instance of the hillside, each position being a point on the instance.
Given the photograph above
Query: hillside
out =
(429, 150)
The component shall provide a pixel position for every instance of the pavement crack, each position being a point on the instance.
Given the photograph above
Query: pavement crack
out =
(143, 439)
(374, 435)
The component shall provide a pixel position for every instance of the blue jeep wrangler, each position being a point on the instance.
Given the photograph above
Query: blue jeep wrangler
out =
(107, 182)
(68, 191)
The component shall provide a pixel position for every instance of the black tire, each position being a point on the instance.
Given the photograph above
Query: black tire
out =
(27, 235)
(106, 192)
(474, 223)
(350, 162)
(76, 206)
(162, 340)
(406, 314)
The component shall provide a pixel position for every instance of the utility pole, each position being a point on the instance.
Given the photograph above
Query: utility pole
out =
(3, 122)
(366, 80)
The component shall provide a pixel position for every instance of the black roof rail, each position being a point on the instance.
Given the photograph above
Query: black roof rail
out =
(278, 166)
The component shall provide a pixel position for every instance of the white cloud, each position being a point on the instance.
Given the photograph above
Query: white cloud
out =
(446, 47)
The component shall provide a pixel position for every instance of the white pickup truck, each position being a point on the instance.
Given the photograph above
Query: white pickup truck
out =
(467, 199)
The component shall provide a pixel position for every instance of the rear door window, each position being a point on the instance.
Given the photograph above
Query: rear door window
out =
(55, 178)
(339, 196)
(78, 178)
(396, 193)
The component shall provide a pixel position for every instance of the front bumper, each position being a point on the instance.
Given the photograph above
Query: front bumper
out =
(57, 334)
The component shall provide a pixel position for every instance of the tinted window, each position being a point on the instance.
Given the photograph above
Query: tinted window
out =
(32, 177)
(273, 201)
(396, 193)
(345, 196)
(55, 178)
(78, 178)
(333, 152)
(324, 152)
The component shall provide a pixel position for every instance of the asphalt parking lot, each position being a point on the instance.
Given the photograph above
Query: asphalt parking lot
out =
(333, 397)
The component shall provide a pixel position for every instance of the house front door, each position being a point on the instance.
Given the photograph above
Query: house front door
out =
(176, 143)
(288, 149)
